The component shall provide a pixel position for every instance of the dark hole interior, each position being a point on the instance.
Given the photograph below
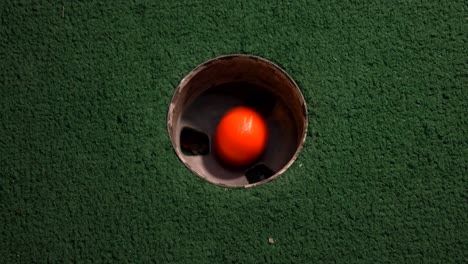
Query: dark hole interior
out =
(260, 100)
(258, 173)
(194, 142)
(252, 95)
(202, 113)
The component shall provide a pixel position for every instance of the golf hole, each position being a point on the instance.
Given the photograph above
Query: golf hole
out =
(218, 85)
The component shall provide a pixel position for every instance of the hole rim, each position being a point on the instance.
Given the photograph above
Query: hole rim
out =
(186, 79)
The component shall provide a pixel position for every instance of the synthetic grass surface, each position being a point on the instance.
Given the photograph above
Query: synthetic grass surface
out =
(88, 174)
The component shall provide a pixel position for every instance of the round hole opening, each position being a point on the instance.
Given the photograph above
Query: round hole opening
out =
(206, 93)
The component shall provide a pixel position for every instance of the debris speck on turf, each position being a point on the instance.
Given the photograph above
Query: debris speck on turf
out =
(271, 240)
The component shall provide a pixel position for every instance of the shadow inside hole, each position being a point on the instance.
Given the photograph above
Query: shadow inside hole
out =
(258, 173)
(193, 142)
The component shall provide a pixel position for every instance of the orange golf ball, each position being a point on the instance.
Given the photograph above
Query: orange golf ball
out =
(241, 136)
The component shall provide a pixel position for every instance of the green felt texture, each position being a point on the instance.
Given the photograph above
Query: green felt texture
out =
(88, 174)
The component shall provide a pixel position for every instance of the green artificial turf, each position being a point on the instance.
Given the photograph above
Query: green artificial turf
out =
(88, 174)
